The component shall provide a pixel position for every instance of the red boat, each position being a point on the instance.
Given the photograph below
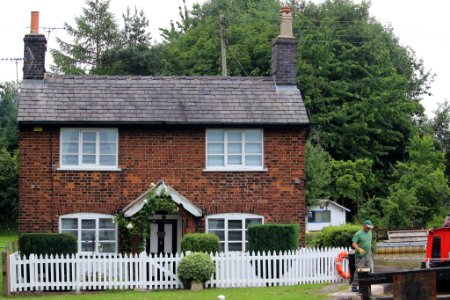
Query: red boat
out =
(438, 248)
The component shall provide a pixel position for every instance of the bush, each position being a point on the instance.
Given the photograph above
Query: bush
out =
(338, 236)
(313, 239)
(195, 267)
(273, 237)
(47, 243)
(200, 242)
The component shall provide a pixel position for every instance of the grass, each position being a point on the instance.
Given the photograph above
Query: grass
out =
(306, 292)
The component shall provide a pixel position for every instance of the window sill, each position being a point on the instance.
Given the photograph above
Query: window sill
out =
(89, 169)
(234, 170)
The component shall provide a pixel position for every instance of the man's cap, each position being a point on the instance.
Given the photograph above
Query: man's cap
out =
(368, 223)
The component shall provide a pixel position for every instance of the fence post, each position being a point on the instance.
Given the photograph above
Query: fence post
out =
(6, 273)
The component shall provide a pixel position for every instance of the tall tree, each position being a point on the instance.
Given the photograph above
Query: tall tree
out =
(440, 126)
(421, 190)
(8, 187)
(134, 32)
(95, 31)
(193, 46)
(9, 133)
(134, 55)
(318, 172)
(361, 86)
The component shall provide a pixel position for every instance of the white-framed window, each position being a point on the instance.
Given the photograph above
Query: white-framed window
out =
(89, 148)
(319, 216)
(234, 149)
(231, 229)
(95, 233)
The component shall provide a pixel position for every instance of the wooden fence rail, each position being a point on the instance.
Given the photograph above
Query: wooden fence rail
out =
(158, 272)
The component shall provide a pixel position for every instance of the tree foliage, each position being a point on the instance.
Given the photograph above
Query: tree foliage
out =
(95, 31)
(361, 87)
(318, 172)
(8, 187)
(421, 190)
(9, 133)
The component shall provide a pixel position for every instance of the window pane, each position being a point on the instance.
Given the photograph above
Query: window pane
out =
(235, 224)
(88, 159)
(87, 235)
(311, 216)
(108, 247)
(215, 160)
(107, 148)
(234, 148)
(253, 135)
(235, 159)
(69, 224)
(107, 235)
(327, 216)
(215, 136)
(70, 148)
(235, 235)
(89, 136)
(108, 136)
(88, 224)
(234, 246)
(88, 148)
(219, 233)
(69, 160)
(253, 148)
(252, 221)
(69, 135)
(216, 224)
(234, 136)
(106, 223)
(87, 246)
(319, 216)
(107, 160)
(215, 148)
(253, 160)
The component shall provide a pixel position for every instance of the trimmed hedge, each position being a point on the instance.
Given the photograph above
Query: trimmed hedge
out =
(195, 267)
(338, 236)
(47, 243)
(200, 242)
(273, 237)
(335, 236)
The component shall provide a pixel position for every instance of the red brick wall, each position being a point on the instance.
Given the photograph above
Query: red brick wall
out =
(148, 154)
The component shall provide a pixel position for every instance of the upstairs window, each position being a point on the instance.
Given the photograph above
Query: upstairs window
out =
(88, 148)
(233, 149)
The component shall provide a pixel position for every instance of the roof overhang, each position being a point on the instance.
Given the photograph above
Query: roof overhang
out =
(162, 188)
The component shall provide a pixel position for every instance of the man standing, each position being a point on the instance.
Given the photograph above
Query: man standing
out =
(362, 242)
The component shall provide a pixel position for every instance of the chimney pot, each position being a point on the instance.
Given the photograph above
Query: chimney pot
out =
(284, 51)
(34, 28)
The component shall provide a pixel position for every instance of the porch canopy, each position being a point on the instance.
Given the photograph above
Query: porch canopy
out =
(162, 188)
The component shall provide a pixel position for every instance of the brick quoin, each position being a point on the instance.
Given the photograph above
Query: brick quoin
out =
(151, 153)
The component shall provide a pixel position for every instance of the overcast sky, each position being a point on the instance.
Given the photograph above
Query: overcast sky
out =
(422, 25)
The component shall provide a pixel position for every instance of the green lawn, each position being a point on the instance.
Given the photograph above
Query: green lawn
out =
(304, 292)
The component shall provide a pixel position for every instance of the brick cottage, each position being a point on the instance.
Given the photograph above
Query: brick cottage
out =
(229, 150)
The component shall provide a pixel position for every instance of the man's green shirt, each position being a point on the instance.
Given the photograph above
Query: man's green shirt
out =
(364, 240)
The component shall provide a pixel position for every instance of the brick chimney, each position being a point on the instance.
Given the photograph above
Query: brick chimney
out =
(284, 51)
(35, 46)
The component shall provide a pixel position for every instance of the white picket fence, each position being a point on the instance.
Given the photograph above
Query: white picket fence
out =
(116, 271)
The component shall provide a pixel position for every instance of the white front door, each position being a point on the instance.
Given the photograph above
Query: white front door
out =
(163, 236)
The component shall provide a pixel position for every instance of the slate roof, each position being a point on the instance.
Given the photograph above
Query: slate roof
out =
(159, 100)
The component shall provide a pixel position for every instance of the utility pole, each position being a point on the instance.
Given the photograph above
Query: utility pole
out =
(222, 46)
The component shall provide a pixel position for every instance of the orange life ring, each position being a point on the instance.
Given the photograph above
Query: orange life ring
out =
(341, 255)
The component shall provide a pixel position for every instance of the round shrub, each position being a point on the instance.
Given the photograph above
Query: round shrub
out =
(195, 267)
(200, 242)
